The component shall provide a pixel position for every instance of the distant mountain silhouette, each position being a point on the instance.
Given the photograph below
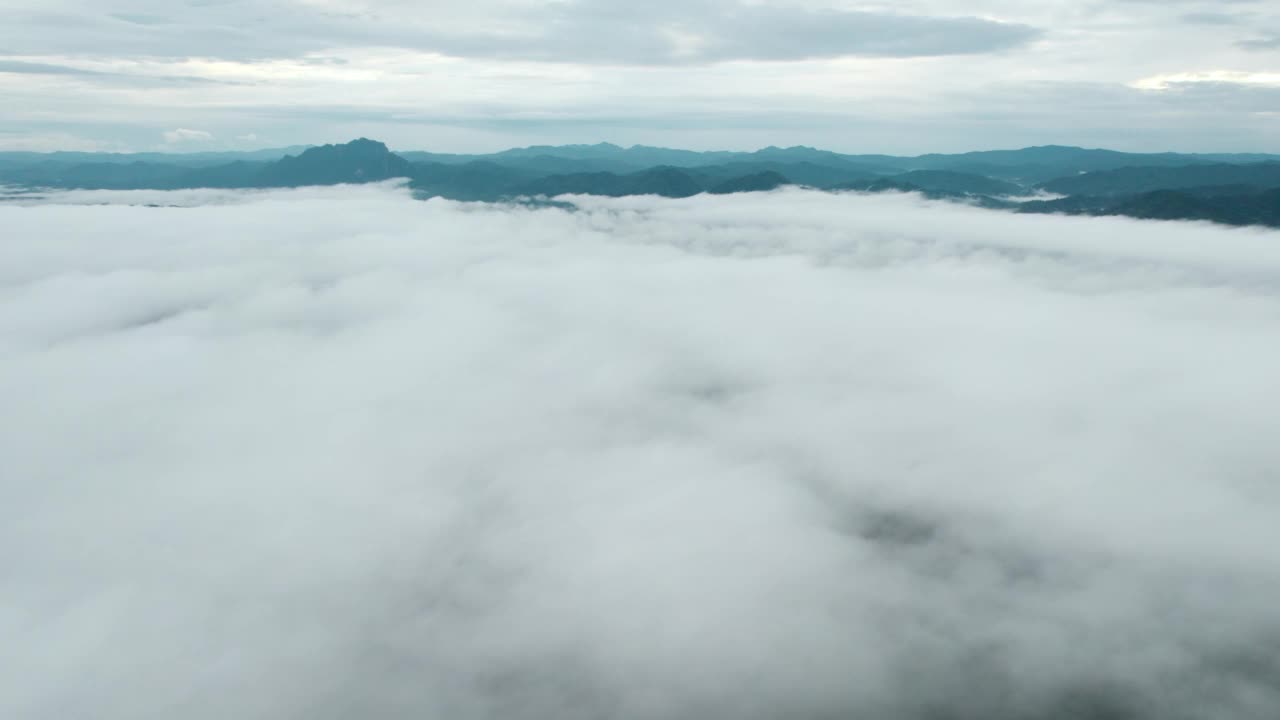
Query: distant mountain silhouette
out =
(100, 175)
(878, 185)
(188, 160)
(664, 181)
(1073, 205)
(472, 181)
(1232, 189)
(359, 161)
(802, 172)
(1228, 205)
(950, 181)
(1261, 208)
(759, 182)
(1132, 180)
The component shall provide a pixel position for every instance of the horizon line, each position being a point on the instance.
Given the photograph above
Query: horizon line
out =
(608, 144)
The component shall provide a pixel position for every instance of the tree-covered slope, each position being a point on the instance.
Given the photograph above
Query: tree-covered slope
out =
(1133, 180)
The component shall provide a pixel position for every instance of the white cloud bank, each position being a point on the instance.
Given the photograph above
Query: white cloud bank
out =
(341, 454)
(1164, 82)
(184, 135)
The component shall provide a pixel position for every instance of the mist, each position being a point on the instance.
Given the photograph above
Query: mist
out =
(341, 453)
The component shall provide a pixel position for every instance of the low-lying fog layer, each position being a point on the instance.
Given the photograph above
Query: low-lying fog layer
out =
(338, 454)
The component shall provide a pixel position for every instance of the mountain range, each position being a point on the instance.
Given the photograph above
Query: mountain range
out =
(1241, 189)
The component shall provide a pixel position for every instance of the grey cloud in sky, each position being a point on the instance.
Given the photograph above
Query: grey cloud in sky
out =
(780, 34)
(1208, 5)
(1269, 42)
(1211, 18)
(694, 32)
(595, 31)
(20, 67)
(916, 75)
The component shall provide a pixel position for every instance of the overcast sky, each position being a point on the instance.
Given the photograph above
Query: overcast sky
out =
(904, 76)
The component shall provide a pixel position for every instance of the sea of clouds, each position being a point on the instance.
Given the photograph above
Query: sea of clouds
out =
(339, 453)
